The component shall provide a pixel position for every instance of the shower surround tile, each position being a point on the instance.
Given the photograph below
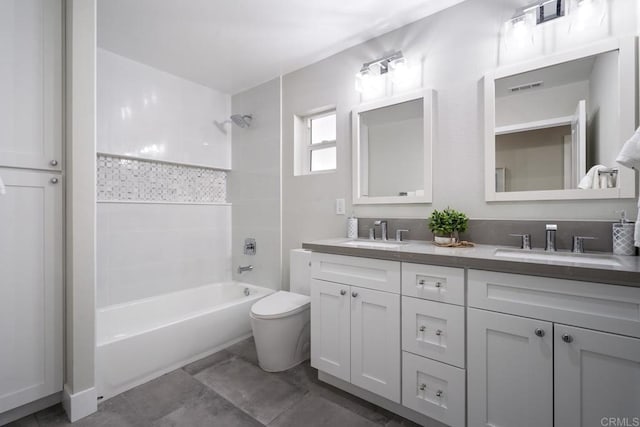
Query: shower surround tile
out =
(123, 179)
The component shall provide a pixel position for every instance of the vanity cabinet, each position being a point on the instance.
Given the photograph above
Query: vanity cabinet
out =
(551, 368)
(596, 374)
(355, 330)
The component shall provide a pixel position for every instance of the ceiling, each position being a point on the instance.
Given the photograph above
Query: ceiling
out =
(233, 45)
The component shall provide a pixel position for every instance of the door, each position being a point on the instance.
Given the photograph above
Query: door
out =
(509, 370)
(31, 84)
(330, 332)
(597, 376)
(579, 141)
(375, 342)
(30, 287)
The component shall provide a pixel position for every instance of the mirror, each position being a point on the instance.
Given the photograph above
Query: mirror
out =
(558, 123)
(392, 150)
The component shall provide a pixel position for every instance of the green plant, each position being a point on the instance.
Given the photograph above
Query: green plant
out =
(447, 221)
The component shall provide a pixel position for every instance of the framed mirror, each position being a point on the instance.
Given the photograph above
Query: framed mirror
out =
(392, 150)
(554, 126)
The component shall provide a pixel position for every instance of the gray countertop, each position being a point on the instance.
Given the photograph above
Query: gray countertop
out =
(483, 257)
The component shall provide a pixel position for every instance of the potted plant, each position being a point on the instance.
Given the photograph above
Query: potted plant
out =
(446, 224)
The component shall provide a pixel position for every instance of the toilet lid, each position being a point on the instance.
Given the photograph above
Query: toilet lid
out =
(280, 304)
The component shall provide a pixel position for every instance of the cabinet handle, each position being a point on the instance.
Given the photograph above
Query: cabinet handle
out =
(423, 387)
(53, 163)
(354, 294)
(439, 393)
(53, 180)
(539, 332)
(421, 282)
(423, 328)
(343, 292)
(438, 284)
(567, 338)
(439, 332)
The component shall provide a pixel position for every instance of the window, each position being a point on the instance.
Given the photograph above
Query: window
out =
(317, 143)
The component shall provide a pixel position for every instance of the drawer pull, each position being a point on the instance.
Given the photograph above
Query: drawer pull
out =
(421, 282)
(343, 292)
(439, 332)
(439, 393)
(539, 332)
(438, 284)
(354, 294)
(567, 338)
(423, 387)
(423, 328)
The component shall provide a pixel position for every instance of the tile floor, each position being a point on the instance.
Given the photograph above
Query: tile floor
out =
(228, 389)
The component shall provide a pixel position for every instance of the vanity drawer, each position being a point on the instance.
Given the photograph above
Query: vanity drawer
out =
(444, 284)
(368, 273)
(598, 306)
(434, 330)
(434, 389)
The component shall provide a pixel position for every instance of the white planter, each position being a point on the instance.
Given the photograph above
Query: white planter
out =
(442, 240)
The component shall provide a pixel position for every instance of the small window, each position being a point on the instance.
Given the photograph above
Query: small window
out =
(320, 142)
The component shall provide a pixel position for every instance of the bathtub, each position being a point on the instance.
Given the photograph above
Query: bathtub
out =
(141, 340)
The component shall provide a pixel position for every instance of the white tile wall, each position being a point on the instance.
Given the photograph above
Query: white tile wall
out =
(146, 112)
(150, 249)
(140, 180)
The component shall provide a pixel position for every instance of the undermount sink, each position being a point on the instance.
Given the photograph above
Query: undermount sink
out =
(602, 260)
(373, 244)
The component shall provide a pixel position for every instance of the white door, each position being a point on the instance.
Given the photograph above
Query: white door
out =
(597, 376)
(30, 287)
(31, 84)
(330, 332)
(509, 370)
(375, 342)
(579, 140)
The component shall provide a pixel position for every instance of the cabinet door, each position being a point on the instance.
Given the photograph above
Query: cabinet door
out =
(597, 375)
(375, 342)
(509, 370)
(30, 287)
(31, 84)
(330, 332)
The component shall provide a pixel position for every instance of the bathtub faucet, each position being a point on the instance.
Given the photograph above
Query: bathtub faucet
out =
(242, 269)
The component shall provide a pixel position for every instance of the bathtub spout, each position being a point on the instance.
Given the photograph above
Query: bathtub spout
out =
(242, 269)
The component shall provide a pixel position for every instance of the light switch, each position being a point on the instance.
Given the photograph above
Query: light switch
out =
(340, 209)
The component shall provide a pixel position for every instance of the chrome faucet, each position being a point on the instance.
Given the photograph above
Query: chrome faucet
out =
(383, 229)
(525, 240)
(243, 268)
(578, 244)
(550, 240)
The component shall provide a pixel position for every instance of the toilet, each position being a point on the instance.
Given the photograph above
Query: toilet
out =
(281, 321)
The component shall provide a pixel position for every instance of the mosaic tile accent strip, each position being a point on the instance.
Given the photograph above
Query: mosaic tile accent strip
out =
(121, 179)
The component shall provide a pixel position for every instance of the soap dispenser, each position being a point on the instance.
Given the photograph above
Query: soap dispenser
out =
(623, 243)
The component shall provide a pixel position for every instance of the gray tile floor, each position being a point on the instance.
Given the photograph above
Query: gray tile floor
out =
(228, 389)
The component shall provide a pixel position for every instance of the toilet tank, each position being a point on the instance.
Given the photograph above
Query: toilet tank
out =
(300, 271)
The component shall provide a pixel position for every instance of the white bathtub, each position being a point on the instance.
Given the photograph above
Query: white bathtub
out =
(143, 339)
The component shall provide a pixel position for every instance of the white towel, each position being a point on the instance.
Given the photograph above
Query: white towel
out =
(629, 156)
(3, 190)
(592, 179)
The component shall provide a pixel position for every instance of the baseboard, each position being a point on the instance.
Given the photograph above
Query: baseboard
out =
(81, 404)
(380, 401)
(30, 408)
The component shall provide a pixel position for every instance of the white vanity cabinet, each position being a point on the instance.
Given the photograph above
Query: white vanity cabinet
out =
(551, 368)
(355, 326)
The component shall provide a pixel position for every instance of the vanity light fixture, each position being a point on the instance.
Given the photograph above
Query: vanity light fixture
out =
(373, 73)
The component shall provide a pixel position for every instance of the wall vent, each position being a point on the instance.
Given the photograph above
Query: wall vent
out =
(526, 86)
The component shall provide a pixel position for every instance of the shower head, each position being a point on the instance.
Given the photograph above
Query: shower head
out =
(242, 120)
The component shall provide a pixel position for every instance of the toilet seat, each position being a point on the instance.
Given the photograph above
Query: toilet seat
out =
(280, 304)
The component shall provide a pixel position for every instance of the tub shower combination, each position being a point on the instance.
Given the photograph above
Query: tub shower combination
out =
(141, 340)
